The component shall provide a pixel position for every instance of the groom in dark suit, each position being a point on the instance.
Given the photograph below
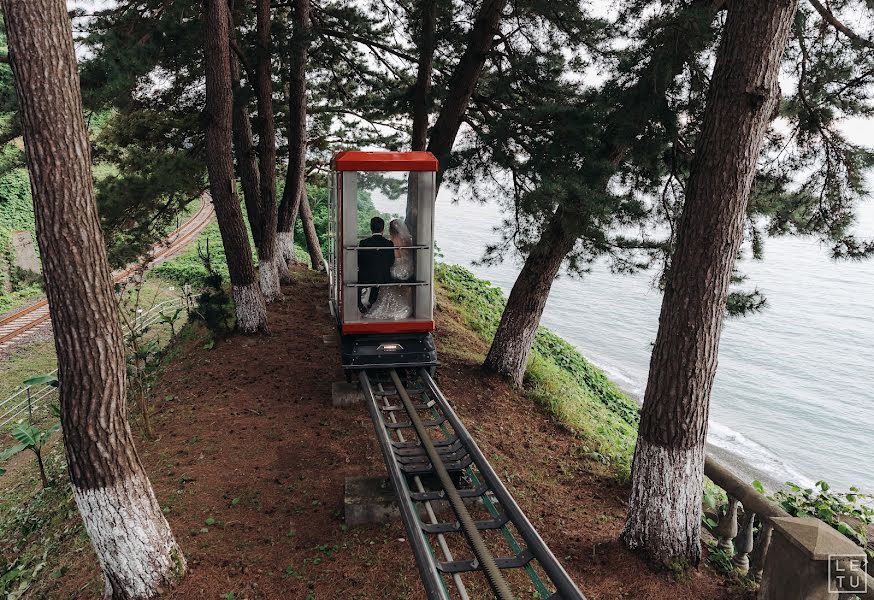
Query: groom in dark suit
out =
(374, 266)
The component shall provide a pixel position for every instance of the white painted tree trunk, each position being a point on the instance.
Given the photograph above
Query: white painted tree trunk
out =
(666, 495)
(281, 268)
(131, 538)
(269, 278)
(250, 309)
(286, 246)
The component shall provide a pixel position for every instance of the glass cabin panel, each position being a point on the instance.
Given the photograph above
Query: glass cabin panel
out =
(348, 186)
(425, 183)
(388, 274)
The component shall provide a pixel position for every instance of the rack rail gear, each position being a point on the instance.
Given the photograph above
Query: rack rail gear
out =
(467, 532)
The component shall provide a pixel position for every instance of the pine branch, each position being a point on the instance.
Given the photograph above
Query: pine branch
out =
(372, 44)
(241, 56)
(830, 18)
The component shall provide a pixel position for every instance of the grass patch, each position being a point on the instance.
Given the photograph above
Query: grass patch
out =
(19, 297)
(35, 359)
(187, 268)
(558, 377)
(37, 527)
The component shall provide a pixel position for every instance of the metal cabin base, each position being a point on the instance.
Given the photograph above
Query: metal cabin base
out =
(387, 351)
(462, 549)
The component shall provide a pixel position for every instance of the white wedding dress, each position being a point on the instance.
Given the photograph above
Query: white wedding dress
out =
(396, 302)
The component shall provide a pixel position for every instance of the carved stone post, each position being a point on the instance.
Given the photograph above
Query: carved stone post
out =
(726, 530)
(744, 544)
(760, 552)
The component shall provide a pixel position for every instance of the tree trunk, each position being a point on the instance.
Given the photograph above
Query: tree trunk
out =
(244, 148)
(422, 91)
(664, 517)
(508, 354)
(296, 128)
(309, 229)
(132, 540)
(268, 266)
(463, 81)
(248, 300)
(421, 97)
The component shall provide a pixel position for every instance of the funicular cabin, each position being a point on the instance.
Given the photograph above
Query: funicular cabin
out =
(382, 293)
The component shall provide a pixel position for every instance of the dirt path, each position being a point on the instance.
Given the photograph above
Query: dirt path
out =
(251, 461)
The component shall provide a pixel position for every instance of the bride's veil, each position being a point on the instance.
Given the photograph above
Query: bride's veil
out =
(405, 238)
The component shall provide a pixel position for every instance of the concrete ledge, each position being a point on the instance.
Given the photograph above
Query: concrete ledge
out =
(369, 500)
(345, 394)
(801, 559)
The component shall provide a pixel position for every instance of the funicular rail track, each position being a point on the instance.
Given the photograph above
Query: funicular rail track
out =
(442, 482)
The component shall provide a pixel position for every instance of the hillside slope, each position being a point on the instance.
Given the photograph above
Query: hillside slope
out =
(250, 462)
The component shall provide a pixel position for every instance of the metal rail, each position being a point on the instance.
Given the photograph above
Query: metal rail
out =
(436, 468)
(163, 251)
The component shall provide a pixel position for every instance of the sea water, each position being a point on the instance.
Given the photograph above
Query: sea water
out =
(793, 398)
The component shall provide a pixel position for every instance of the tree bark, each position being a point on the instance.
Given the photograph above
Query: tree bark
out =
(421, 95)
(296, 128)
(268, 266)
(422, 90)
(134, 545)
(508, 354)
(463, 81)
(664, 517)
(309, 228)
(248, 300)
(244, 148)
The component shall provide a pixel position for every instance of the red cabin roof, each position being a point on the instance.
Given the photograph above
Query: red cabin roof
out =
(384, 161)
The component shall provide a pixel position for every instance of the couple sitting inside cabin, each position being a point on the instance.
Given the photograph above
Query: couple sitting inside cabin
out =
(386, 261)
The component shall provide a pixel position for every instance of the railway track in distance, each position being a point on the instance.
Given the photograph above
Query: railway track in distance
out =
(24, 320)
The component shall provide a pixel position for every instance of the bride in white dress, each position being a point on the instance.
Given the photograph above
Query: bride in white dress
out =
(396, 302)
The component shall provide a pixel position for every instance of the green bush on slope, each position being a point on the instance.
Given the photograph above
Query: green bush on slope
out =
(578, 394)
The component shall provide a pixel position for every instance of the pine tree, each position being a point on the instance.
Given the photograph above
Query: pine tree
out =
(655, 108)
(133, 542)
(248, 300)
(269, 266)
(463, 81)
(664, 516)
(421, 97)
(245, 152)
(294, 191)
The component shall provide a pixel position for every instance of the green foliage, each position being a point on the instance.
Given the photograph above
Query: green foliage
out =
(146, 184)
(30, 437)
(16, 213)
(34, 526)
(566, 356)
(714, 502)
(189, 268)
(11, 300)
(848, 512)
(720, 560)
(214, 306)
(558, 377)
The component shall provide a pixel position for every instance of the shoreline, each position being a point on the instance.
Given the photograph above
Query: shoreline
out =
(739, 464)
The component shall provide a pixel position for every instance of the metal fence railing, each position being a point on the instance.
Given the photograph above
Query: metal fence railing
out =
(25, 400)
(31, 398)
